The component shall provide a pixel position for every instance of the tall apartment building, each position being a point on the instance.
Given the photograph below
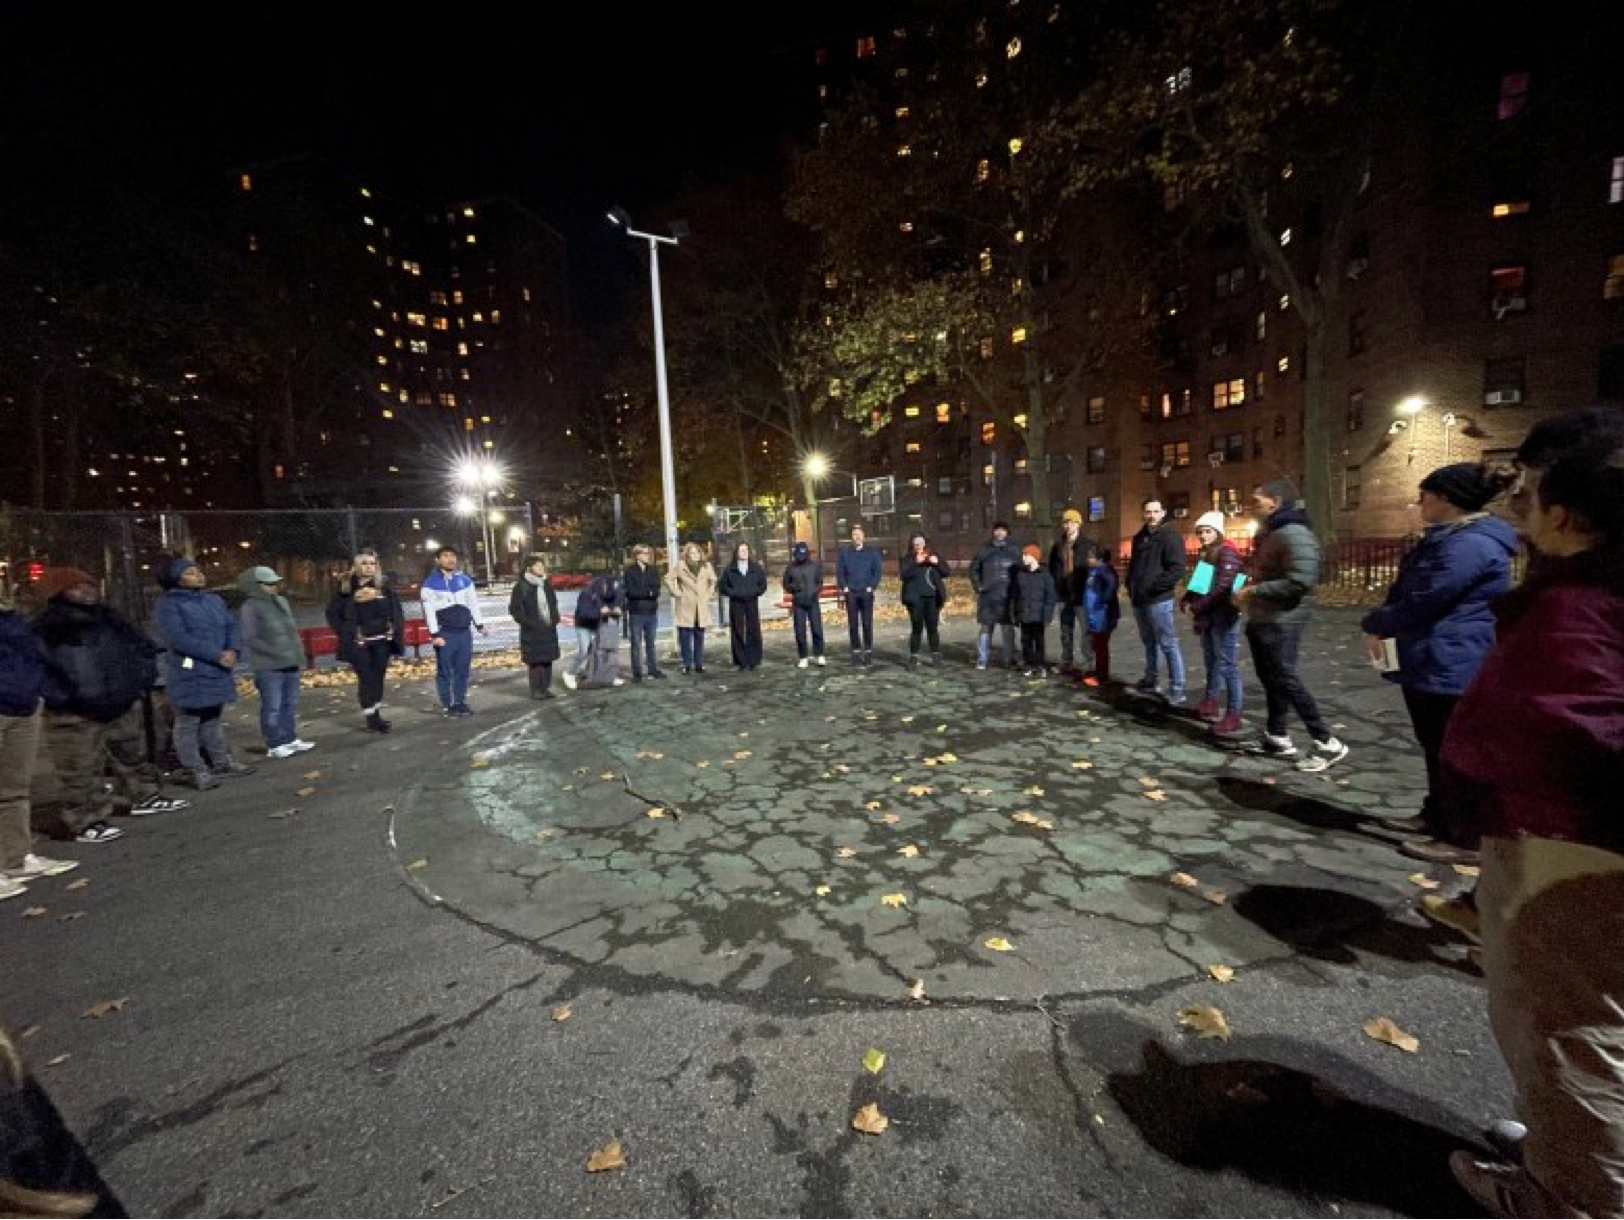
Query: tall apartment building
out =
(1483, 288)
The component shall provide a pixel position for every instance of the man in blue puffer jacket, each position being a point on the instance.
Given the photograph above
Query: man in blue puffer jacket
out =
(204, 643)
(1438, 613)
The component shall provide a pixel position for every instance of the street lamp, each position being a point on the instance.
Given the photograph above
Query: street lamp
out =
(668, 478)
(479, 479)
(817, 467)
(1410, 408)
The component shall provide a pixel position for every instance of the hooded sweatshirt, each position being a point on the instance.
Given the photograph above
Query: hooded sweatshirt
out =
(269, 631)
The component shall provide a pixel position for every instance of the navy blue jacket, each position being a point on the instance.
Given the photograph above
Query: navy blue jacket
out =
(22, 666)
(858, 571)
(197, 627)
(1438, 608)
(1100, 604)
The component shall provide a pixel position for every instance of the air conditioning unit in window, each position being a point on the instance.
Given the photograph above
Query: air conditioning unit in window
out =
(1232, 508)
(1502, 398)
(1357, 267)
(1181, 512)
(1508, 302)
(1220, 348)
(1215, 458)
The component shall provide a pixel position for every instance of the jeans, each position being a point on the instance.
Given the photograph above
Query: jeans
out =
(925, 619)
(1221, 650)
(370, 662)
(860, 619)
(1160, 640)
(451, 662)
(808, 616)
(584, 635)
(1070, 616)
(1429, 715)
(1032, 645)
(200, 738)
(278, 705)
(1274, 656)
(692, 642)
(984, 644)
(642, 633)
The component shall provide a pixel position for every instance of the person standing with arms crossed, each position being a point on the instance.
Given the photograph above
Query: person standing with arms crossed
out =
(857, 575)
(451, 610)
(1068, 564)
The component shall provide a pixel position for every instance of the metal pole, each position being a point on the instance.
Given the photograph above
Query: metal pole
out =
(668, 476)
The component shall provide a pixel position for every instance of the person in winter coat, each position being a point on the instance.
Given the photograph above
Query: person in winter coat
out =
(1281, 577)
(97, 667)
(803, 578)
(642, 583)
(451, 609)
(1102, 610)
(275, 654)
(992, 574)
(1533, 758)
(204, 644)
(1217, 621)
(602, 605)
(534, 606)
(924, 593)
(370, 623)
(857, 576)
(1068, 564)
(1034, 603)
(692, 585)
(1155, 567)
(743, 582)
(22, 687)
(1438, 612)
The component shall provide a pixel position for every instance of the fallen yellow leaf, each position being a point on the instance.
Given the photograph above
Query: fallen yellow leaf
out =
(1148, 782)
(998, 944)
(909, 851)
(1082, 764)
(1035, 790)
(846, 853)
(418, 863)
(872, 805)
(561, 1012)
(649, 754)
(101, 1008)
(873, 1060)
(741, 755)
(1216, 897)
(1185, 880)
(823, 890)
(894, 900)
(941, 728)
(656, 812)
(889, 819)
(610, 1156)
(1222, 973)
(1466, 870)
(33, 912)
(1206, 1021)
(307, 792)
(1383, 1030)
(606, 775)
(703, 762)
(908, 719)
(869, 1120)
(920, 790)
(917, 991)
(1423, 881)
(312, 774)
(79, 884)
(1155, 794)
(479, 760)
(947, 758)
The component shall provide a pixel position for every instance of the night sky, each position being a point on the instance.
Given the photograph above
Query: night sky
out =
(569, 110)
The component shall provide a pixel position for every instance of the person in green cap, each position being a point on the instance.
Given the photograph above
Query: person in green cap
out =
(275, 655)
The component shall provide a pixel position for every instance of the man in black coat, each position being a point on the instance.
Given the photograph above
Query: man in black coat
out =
(640, 585)
(1068, 564)
(991, 576)
(1154, 571)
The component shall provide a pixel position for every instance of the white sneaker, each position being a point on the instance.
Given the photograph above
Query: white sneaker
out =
(822, 660)
(41, 866)
(1271, 746)
(569, 679)
(802, 663)
(10, 888)
(301, 745)
(283, 751)
(619, 682)
(1325, 754)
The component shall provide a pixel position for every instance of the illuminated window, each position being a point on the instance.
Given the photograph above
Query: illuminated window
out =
(367, 220)
(1012, 49)
(1015, 145)
(1262, 327)
(1512, 207)
(441, 324)
(1615, 184)
(906, 226)
(1285, 237)
(456, 296)
(462, 348)
(365, 194)
(989, 433)
(944, 413)
(1175, 453)
(420, 346)
(403, 396)
(436, 298)
(1513, 95)
(984, 169)
(478, 316)
(902, 112)
(911, 412)
(985, 262)
(463, 373)
(468, 212)
(246, 182)
(1179, 81)
(986, 349)
(1227, 394)
(253, 242)
(981, 80)
(485, 419)
(1612, 288)
(1020, 465)
(383, 387)
(417, 319)
(1023, 511)
(1018, 335)
(913, 447)
(388, 414)
(1257, 384)
(865, 47)
(1285, 302)
(448, 399)
(526, 293)
(905, 150)
(470, 238)
(384, 360)
(1096, 411)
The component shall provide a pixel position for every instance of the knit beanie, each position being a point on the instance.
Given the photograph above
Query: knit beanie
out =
(169, 573)
(1466, 485)
(56, 581)
(801, 553)
(1212, 520)
(1032, 552)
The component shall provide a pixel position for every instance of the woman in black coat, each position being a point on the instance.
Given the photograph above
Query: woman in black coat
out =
(534, 606)
(743, 582)
(366, 616)
(924, 592)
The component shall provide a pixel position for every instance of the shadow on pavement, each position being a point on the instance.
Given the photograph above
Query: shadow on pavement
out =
(1332, 924)
(1290, 1129)
(1268, 798)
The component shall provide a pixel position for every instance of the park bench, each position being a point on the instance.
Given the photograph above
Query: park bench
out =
(828, 595)
(321, 642)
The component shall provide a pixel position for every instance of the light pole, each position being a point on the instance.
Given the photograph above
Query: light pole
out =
(1411, 409)
(480, 478)
(815, 466)
(668, 478)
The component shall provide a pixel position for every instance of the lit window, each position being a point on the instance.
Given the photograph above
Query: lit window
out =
(1284, 364)
(944, 413)
(456, 296)
(902, 112)
(905, 150)
(1508, 290)
(1018, 335)
(913, 447)
(462, 348)
(1020, 465)
(383, 360)
(365, 194)
(906, 226)
(468, 212)
(436, 298)
(485, 419)
(496, 317)
(253, 242)
(1020, 420)
(984, 170)
(469, 238)
(989, 432)
(1096, 410)
(1612, 288)
(463, 373)
(403, 396)
(1615, 184)
(417, 319)
(981, 80)
(986, 349)
(911, 412)
(367, 220)
(246, 182)
(1020, 236)
(1285, 301)
(441, 324)
(1513, 95)
(448, 399)
(1179, 81)
(478, 316)
(1015, 145)
(1231, 393)
(388, 414)
(1262, 327)
(1512, 207)
(383, 387)
(420, 346)
(1257, 384)
(1023, 511)
(865, 47)
(1285, 237)
(1012, 49)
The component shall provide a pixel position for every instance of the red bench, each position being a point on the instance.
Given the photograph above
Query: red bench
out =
(321, 642)
(827, 595)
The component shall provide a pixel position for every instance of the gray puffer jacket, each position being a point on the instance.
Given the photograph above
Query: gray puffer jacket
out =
(1284, 569)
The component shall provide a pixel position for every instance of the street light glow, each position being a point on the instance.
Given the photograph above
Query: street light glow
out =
(1413, 405)
(464, 506)
(816, 465)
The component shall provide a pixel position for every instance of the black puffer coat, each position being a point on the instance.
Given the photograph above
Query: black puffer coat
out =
(96, 664)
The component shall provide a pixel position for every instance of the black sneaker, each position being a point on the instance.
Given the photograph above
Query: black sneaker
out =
(461, 709)
(656, 673)
(1148, 685)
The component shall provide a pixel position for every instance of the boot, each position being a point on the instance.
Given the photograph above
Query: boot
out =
(1229, 726)
(936, 659)
(231, 768)
(202, 779)
(1207, 709)
(913, 660)
(377, 724)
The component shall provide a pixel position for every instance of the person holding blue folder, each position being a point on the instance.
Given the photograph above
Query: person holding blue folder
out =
(1207, 600)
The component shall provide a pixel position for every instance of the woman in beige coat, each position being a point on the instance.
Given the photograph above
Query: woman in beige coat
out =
(692, 584)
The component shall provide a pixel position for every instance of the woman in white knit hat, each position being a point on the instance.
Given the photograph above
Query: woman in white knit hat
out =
(1217, 620)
